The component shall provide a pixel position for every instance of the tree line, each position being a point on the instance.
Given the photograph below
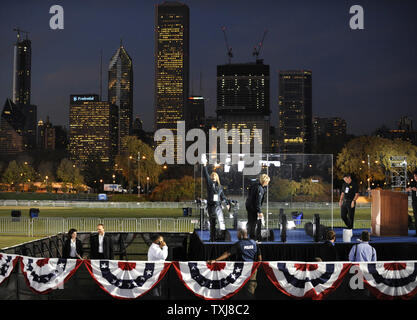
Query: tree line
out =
(366, 157)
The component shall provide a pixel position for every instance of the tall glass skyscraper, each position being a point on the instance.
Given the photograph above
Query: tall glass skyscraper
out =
(171, 64)
(92, 130)
(295, 111)
(22, 56)
(243, 100)
(120, 92)
(22, 70)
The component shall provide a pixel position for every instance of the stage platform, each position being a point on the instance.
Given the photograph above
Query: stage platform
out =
(301, 247)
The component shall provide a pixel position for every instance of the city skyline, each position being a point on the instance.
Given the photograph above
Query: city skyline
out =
(377, 70)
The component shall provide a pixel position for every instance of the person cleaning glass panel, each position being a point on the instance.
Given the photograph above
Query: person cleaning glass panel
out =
(215, 197)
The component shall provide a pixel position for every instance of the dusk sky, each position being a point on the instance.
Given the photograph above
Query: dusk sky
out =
(367, 77)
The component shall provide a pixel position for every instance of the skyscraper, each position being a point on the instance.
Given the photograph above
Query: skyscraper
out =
(22, 56)
(243, 99)
(195, 112)
(22, 61)
(92, 130)
(46, 135)
(295, 111)
(329, 127)
(17, 128)
(171, 64)
(12, 121)
(120, 91)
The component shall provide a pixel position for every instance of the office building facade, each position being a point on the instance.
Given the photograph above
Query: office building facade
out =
(46, 135)
(295, 111)
(330, 127)
(93, 130)
(243, 101)
(195, 113)
(120, 92)
(22, 68)
(171, 65)
(12, 121)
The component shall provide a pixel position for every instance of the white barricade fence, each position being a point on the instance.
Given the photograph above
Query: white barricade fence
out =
(44, 226)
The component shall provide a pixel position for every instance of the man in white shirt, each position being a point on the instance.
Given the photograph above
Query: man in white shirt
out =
(101, 245)
(158, 251)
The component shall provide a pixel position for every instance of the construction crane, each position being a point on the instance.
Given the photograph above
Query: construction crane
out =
(228, 48)
(18, 30)
(258, 48)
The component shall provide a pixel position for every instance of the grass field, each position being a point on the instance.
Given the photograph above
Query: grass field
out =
(360, 214)
(95, 213)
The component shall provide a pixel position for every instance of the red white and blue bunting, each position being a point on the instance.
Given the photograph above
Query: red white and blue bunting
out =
(126, 280)
(216, 281)
(306, 280)
(391, 280)
(45, 274)
(7, 264)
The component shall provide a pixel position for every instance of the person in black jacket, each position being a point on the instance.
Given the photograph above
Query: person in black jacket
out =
(253, 204)
(101, 245)
(215, 196)
(73, 247)
(348, 196)
(328, 250)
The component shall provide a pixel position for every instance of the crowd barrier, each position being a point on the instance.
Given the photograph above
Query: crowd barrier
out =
(43, 226)
(55, 278)
(156, 205)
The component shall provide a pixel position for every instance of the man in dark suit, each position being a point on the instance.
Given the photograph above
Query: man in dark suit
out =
(253, 205)
(101, 245)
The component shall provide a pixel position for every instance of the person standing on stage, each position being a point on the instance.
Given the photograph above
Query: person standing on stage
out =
(349, 195)
(413, 189)
(73, 247)
(101, 245)
(253, 204)
(215, 196)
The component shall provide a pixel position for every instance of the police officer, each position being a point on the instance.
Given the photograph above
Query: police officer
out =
(253, 204)
(244, 250)
(413, 189)
(215, 196)
(349, 195)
